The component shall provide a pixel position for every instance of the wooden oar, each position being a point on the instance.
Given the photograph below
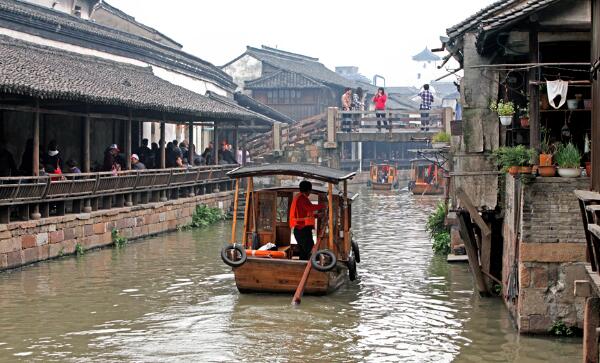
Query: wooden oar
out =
(300, 289)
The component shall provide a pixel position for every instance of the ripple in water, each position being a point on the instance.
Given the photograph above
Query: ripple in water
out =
(171, 299)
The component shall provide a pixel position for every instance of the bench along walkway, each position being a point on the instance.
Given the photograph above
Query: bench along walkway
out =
(25, 198)
(589, 203)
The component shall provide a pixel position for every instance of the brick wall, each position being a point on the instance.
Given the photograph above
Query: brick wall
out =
(544, 239)
(22, 243)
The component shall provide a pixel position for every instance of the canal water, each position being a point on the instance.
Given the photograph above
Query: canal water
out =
(171, 299)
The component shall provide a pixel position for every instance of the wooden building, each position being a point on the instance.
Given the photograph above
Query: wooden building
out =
(295, 85)
(537, 250)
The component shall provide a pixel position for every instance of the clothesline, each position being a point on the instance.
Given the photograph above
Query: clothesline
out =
(569, 82)
(531, 65)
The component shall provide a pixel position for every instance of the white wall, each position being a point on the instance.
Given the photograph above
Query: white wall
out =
(247, 68)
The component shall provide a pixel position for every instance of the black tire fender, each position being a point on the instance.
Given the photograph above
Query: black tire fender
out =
(316, 259)
(228, 261)
(355, 251)
(351, 268)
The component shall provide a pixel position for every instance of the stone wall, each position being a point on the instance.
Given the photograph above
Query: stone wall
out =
(22, 243)
(545, 243)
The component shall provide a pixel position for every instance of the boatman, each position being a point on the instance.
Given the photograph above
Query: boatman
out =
(302, 219)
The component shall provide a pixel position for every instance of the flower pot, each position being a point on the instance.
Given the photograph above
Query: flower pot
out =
(545, 159)
(588, 168)
(569, 172)
(439, 145)
(525, 169)
(513, 170)
(547, 170)
(506, 120)
(572, 104)
(544, 103)
(524, 122)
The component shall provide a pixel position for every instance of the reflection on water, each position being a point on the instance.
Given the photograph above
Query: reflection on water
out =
(170, 298)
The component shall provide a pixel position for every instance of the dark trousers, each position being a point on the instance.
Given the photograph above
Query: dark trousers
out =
(424, 118)
(380, 115)
(305, 241)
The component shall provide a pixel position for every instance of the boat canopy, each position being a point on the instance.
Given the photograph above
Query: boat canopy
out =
(304, 170)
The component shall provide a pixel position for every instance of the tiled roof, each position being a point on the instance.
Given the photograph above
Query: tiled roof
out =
(33, 18)
(426, 56)
(254, 105)
(232, 103)
(49, 73)
(283, 79)
(310, 67)
(111, 9)
(475, 19)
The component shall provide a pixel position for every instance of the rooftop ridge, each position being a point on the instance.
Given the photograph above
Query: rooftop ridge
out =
(284, 53)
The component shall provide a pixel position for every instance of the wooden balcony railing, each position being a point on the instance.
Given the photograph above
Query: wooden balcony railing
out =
(23, 192)
(393, 120)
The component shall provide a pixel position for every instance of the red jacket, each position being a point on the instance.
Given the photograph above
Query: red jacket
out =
(302, 212)
(380, 101)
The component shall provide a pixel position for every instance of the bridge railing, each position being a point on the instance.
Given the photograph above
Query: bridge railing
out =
(21, 194)
(388, 120)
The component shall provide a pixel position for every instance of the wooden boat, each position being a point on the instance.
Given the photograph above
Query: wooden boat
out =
(426, 177)
(383, 176)
(266, 220)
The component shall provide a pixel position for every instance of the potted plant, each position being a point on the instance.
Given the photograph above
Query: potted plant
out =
(545, 167)
(505, 111)
(440, 140)
(515, 159)
(568, 159)
(524, 117)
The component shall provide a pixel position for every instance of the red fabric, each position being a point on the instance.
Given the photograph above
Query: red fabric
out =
(380, 101)
(302, 211)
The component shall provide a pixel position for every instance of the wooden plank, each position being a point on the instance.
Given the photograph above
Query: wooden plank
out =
(249, 190)
(585, 216)
(452, 258)
(587, 196)
(235, 209)
(591, 321)
(466, 232)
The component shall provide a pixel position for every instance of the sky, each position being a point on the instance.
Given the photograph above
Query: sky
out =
(378, 37)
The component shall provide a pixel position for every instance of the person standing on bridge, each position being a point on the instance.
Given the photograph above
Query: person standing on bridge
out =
(346, 106)
(358, 104)
(379, 100)
(302, 219)
(426, 101)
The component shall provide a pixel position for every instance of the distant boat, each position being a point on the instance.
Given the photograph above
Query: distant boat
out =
(426, 177)
(383, 176)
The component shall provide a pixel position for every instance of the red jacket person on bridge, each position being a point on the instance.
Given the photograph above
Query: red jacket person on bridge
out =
(302, 219)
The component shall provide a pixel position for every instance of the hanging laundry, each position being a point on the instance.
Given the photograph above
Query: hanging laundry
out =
(555, 89)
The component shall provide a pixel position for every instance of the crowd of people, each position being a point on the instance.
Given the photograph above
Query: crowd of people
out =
(145, 157)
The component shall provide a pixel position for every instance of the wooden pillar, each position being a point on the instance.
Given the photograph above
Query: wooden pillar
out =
(595, 96)
(35, 214)
(346, 221)
(215, 144)
(191, 151)
(330, 244)
(163, 155)
(36, 140)
(591, 320)
(86, 145)
(534, 91)
(128, 142)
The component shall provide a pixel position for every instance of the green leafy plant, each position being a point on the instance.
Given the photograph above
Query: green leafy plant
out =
(567, 156)
(503, 108)
(205, 215)
(441, 137)
(545, 145)
(507, 156)
(438, 231)
(118, 240)
(441, 243)
(79, 250)
(559, 328)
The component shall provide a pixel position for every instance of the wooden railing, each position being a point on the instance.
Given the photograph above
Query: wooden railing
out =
(392, 120)
(140, 186)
